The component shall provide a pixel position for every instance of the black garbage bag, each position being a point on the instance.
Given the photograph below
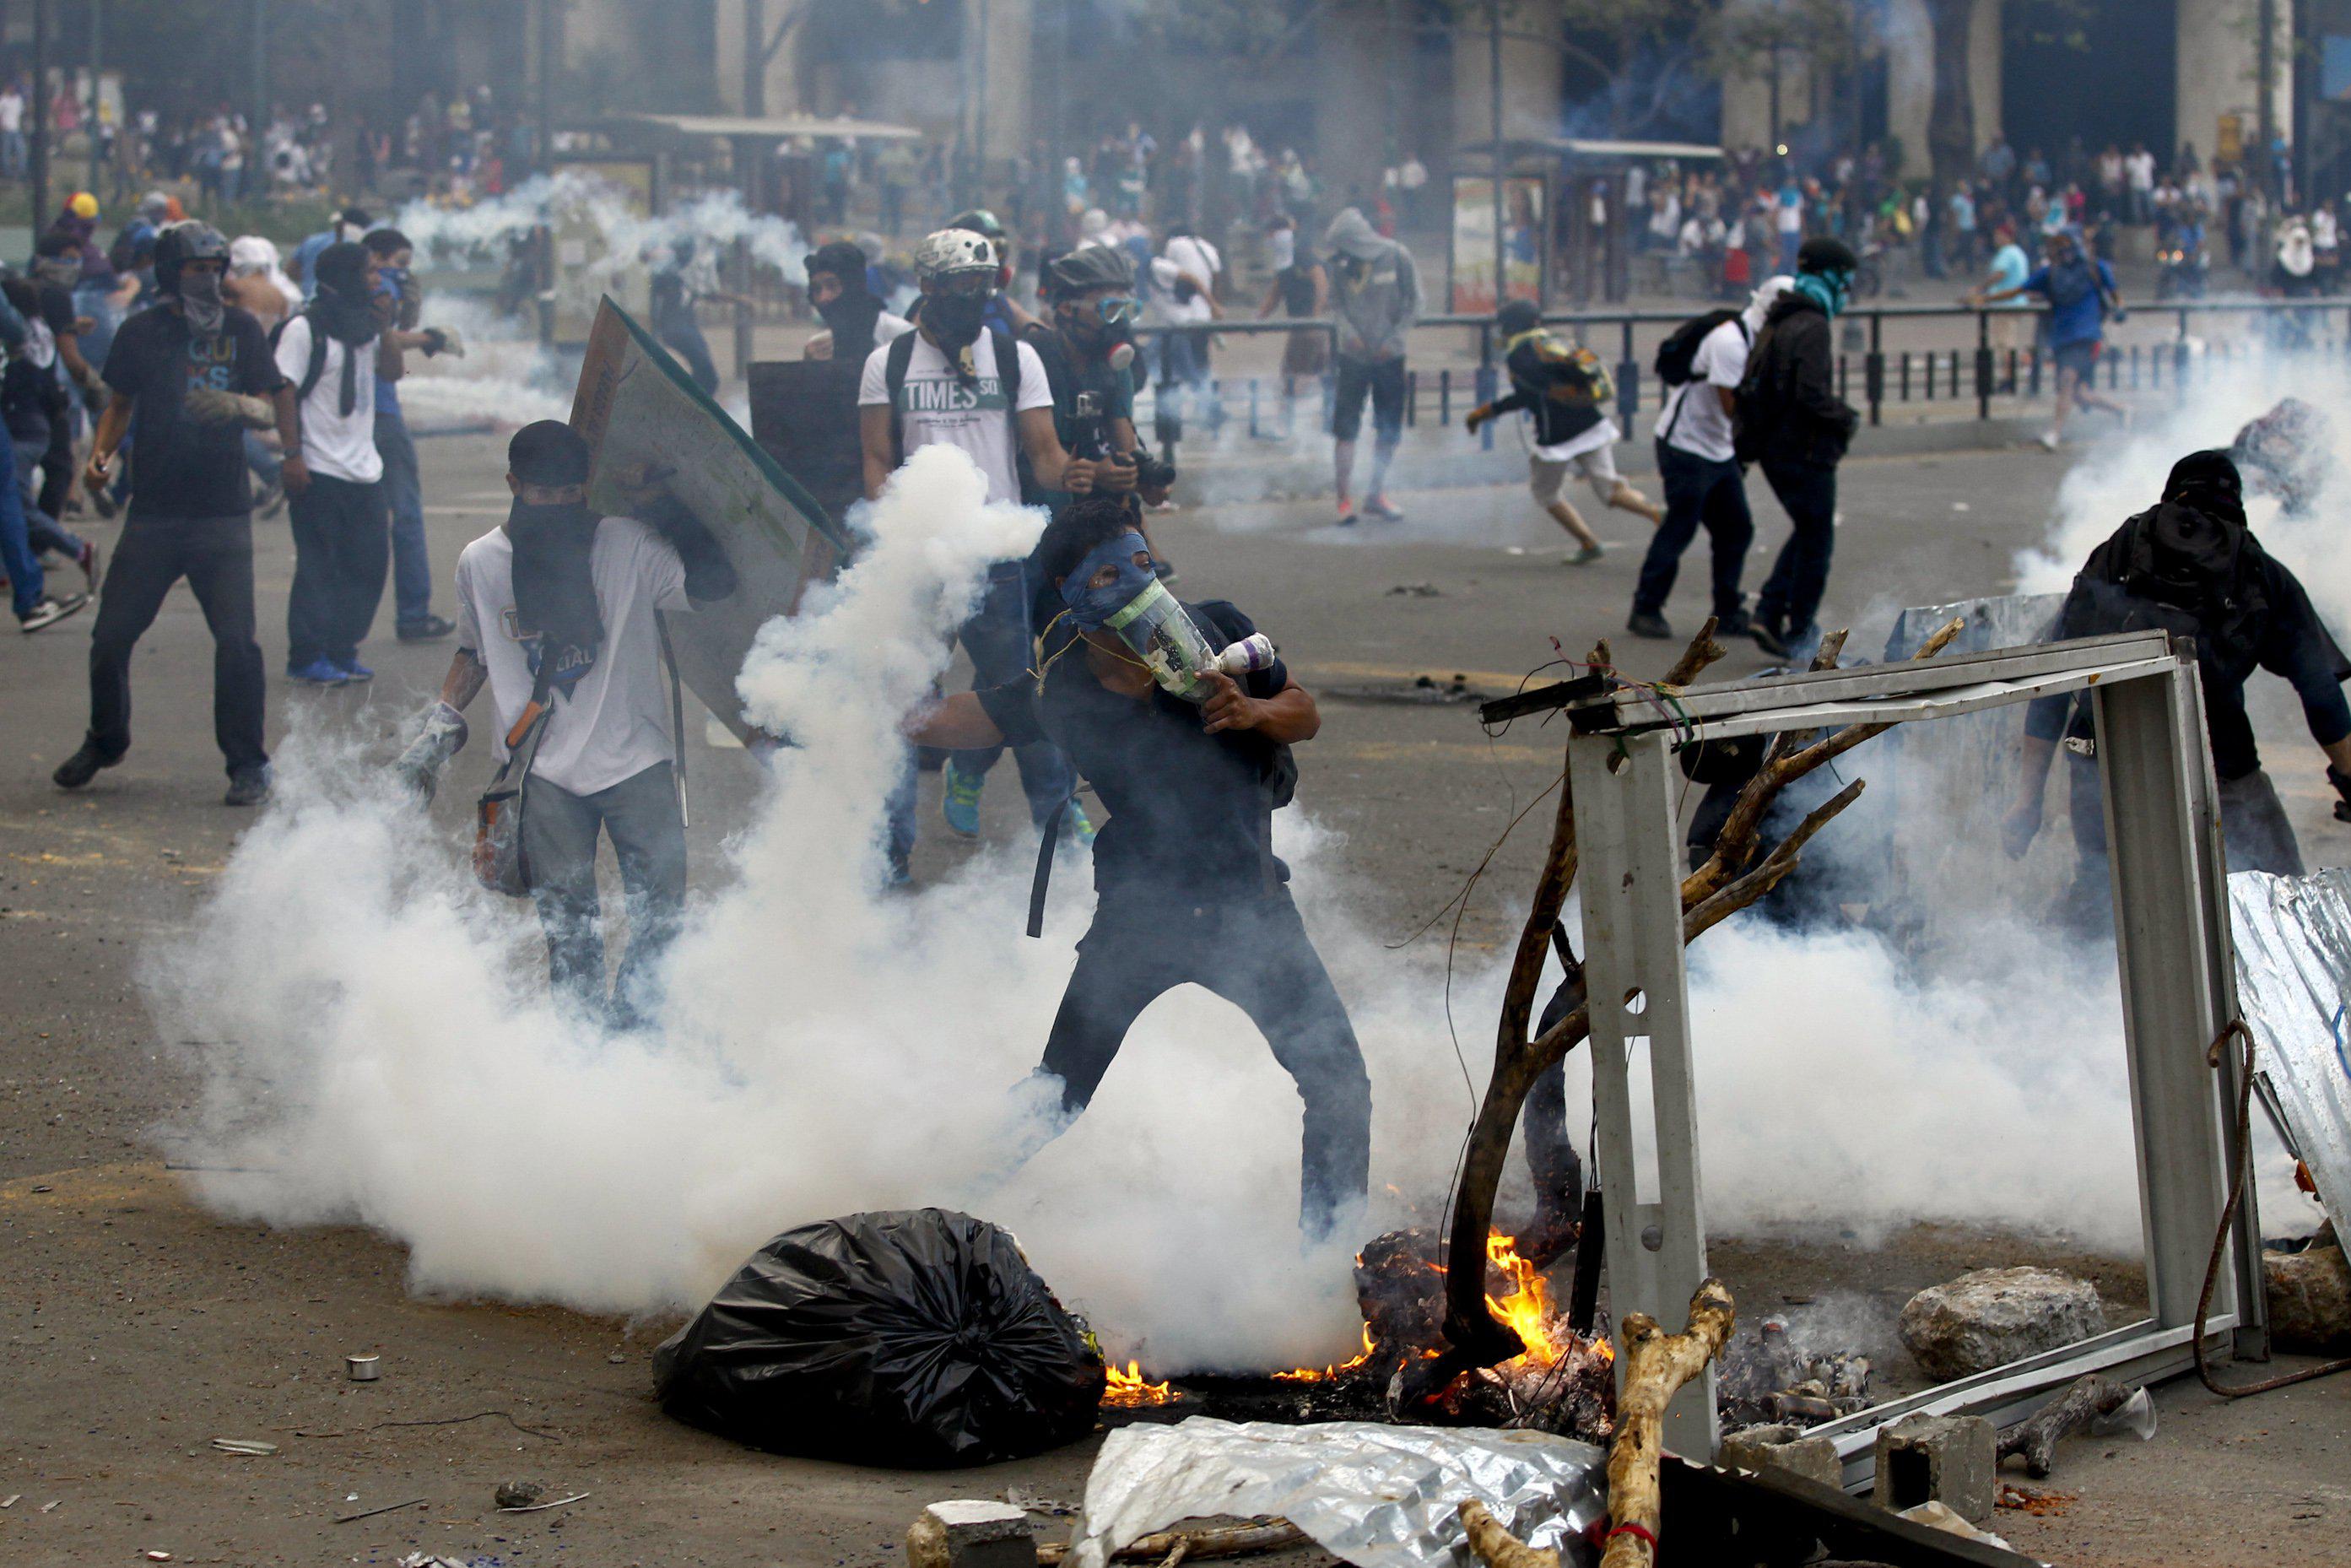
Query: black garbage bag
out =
(912, 1339)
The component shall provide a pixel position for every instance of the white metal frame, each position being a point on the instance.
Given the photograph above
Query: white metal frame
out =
(2171, 927)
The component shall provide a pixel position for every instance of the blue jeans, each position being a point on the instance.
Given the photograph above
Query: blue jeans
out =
(403, 492)
(40, 528)
(15, 543)
(559, 830)
(1699, 493)
(684, 334)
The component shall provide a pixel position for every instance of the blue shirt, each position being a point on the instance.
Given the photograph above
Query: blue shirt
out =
(306, 261)
(2082, 320)
(387, 392)
(2009, 270)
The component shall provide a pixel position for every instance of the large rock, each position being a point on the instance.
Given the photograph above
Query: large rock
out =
(2310, 1300)
(1994, 1316)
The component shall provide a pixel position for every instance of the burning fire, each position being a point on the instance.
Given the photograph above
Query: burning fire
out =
(1527, 1309)
(1339, 1369)
(1129, 1390)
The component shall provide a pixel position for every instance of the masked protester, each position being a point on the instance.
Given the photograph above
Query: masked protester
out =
(680, 283)
(1791, 420)
(556, 613)
(1375, 294)
(347, 227)
(1564, 390)
(334, 477)
(196, 373)
(955, 380)
(855, 324)
(399, 305)
(2082, 297)
(56, 272)
(2190, 566)
(1003, 309)
(1191, 761)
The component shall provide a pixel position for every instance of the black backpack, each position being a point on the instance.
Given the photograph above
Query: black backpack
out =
(1677, 353)
(317, 365)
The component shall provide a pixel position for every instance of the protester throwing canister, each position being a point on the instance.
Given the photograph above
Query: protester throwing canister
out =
(1182, 724)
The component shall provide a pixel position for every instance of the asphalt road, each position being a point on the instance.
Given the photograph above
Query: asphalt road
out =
(135, 1327)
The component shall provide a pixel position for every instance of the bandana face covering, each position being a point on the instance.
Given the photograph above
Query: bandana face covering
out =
(200, 297)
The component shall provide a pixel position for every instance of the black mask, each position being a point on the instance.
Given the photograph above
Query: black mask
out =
(554, 590)
(955, 319)
(850, 316)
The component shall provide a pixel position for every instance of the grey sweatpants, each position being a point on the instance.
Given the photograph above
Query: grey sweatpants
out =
(558, 846)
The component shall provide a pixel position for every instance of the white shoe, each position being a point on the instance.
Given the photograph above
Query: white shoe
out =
(2049, 439)
(48, 612)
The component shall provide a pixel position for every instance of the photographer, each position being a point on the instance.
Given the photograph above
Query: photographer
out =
(1087, 344)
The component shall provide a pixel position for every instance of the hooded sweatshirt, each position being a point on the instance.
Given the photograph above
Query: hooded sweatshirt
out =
(1374, 289)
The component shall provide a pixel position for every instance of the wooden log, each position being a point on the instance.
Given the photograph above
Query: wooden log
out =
(1495, 1547)
(1230, 1541)
(2036, 1436)
(1657, 1364)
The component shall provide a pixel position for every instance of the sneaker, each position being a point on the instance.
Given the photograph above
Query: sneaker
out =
(81, 767)
(354, 671)
(1734, 624)
(88, 560)
(47, 612)
(1648, 624)
(320, 671)
(1077, 827)
(248, 786)
(2049, 439)
(1585, 555)
(270, 499)
(1346, 513)
(959, 801)
(1381, 506)
(427, 628)
(1768, 637)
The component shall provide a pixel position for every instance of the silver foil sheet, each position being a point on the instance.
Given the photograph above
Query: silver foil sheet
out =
(2293, 937)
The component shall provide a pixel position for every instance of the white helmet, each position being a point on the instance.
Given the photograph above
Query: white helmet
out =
(952, 252)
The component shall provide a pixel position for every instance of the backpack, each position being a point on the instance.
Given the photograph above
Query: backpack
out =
(902, 358)
(1678, 353)
(317, 365)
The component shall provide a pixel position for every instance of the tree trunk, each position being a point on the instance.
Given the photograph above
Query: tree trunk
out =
(1951, 121)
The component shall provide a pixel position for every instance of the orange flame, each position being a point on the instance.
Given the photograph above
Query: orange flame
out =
(1127, 1389)
(1527, 1309)
(1337, 1369)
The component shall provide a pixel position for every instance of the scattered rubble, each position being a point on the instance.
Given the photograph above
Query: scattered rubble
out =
(517, 1494)
(1416, 591)
(1939, 1516)
(1990, 1317)
(1785, 1448)
(1937, 1459)
(2310, 1300)
(2039, 1501)
(2086, 1401)
(1767, 1379)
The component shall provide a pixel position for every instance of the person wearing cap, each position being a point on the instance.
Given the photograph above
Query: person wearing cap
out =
(1793, 423)
(957, 381)
(841, 292)
(1563, 390)
(558, 607)
(2190, 566)
(197, 372)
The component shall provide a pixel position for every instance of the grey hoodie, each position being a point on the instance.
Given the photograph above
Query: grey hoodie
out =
(1377, 305)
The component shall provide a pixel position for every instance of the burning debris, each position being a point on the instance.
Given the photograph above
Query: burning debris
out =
(1769, 1380)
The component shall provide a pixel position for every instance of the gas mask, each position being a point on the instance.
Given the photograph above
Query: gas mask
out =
(200, 297)
(1106, 327)
(1152, 622)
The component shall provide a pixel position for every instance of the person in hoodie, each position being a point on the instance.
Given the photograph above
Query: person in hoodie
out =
(2190, 566)
(1565, 390)
(1375, 296)
(855, 324)
(1792, 422)
(1705, 487)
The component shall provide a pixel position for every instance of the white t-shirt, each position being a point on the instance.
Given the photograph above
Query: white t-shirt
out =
(2141, 166)
(12, 112)
(935, 407)
(1185, 254)
(1693, 419)
(615, 722)
(336, 445)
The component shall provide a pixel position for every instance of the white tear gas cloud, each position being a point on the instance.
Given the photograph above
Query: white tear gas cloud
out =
(381, 1046)
(503, 377)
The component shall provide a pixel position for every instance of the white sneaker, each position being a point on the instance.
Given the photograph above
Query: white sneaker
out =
(48, 612)
(2049, 439)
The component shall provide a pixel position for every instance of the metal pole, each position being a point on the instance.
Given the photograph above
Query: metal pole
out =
(980, 117)
(41, 112)
(1494, 82)
(2265, 100)
(755, 59)
(96, 42)
(547, 51)
(258, 116)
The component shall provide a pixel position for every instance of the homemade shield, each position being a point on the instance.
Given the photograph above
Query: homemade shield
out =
(911, 1339)
(804, 414)
(637, 404)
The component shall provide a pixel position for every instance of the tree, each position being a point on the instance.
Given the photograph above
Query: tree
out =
(1951, 119)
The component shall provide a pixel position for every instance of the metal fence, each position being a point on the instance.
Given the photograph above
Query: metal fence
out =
(1870, 375)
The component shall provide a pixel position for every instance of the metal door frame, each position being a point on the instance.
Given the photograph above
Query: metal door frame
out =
(2171, 929)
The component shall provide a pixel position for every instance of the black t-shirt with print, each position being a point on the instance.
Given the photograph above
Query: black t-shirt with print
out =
(1191, 814)
(184, 469)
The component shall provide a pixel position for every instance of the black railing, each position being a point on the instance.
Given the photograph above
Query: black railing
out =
(1946, 373)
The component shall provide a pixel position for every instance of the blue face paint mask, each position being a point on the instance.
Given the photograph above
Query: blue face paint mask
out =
(1091, 608)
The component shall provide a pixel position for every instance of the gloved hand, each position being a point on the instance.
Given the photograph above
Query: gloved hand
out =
(442, 738)
(1478, 416)
(2342, 782)
(443, 340)
(215, 406)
